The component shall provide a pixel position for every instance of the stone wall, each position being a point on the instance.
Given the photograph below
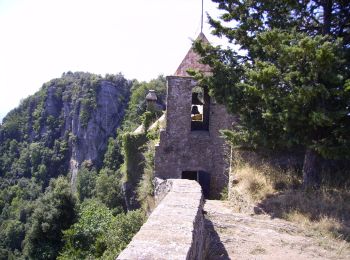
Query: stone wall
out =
(175, 229)
(181, 149)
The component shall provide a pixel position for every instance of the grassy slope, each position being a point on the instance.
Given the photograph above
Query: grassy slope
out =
(324, 213)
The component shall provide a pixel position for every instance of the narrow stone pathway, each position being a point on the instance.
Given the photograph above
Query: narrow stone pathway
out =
(244, 236)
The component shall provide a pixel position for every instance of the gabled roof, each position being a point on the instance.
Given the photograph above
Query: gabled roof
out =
(191, 60)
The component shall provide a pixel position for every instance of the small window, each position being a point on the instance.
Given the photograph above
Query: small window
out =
(200, 109)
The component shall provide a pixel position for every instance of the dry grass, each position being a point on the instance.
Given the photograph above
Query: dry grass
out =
(254, 183)
(265, 188)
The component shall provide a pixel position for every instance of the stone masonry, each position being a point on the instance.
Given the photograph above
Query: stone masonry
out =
(175, 229)
(181, 149)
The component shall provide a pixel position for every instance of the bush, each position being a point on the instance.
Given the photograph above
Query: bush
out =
(145, 188)
(94, 220)
(98, 234)
(122, 231)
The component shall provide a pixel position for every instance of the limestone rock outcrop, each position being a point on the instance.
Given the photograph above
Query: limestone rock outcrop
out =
(73, 117)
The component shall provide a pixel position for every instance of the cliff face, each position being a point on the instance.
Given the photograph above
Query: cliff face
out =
(65, 129)
(90, 139)
(72, 117)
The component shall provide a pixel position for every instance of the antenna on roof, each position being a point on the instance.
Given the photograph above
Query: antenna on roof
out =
(202, 18)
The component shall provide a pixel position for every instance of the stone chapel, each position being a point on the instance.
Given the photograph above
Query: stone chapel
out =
(191, 146)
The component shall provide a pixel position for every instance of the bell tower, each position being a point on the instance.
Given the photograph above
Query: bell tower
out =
(191, 146)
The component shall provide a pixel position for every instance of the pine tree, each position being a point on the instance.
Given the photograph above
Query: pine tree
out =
(289, 82)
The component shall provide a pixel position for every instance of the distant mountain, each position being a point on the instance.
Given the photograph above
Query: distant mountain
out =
(67, 122)
(63, 165)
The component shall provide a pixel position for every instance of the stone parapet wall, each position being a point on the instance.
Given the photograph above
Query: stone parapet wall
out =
(175, 229)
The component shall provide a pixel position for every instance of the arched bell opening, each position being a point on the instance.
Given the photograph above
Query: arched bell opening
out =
(200, 109)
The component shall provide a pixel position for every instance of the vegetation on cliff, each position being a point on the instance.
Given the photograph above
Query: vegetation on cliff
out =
(138, 147)
(48, 211)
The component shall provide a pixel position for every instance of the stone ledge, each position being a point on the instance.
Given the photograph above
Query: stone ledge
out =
(175, 229)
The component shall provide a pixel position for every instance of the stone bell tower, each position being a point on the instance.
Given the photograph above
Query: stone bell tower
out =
(191, 146)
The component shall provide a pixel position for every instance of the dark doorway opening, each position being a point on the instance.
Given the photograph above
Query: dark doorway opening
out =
(204, 181)
(203, 178)
(189, 175)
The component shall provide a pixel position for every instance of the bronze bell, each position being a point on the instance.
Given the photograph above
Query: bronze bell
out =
(194, 110)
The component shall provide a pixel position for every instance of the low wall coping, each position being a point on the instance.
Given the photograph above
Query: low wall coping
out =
(168, 232)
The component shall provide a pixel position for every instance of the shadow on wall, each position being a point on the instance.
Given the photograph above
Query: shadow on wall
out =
(214, 247)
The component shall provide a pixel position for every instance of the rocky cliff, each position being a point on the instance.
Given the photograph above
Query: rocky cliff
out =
(72, 117)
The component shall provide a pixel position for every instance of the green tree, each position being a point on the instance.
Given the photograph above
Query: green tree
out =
(35, 148)
(54, 213)
(98, 234)
(289, 83)
(86, 182)
(112, 158)
(122, 230)
(83, 239)
(108, 190)
(12, 234)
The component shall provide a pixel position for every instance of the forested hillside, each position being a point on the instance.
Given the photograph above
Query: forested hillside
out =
(69, 120)
(60, 178)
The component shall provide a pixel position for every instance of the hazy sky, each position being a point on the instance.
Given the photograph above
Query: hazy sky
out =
(41, 39)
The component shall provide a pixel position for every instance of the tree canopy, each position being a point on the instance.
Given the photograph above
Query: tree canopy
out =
(289, 81)
(54, 212)
(38, 200)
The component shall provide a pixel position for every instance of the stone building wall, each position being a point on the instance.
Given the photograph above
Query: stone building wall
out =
(181, 149)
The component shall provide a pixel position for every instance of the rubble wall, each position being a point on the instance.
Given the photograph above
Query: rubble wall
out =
(181, 149)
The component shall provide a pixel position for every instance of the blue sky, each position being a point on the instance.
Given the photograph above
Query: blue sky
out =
(41, 39)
